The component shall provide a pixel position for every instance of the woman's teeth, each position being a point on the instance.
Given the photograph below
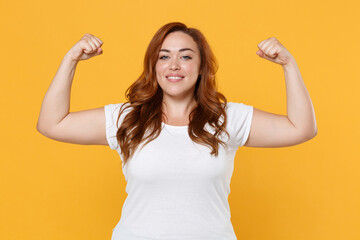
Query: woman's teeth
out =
(174, 77)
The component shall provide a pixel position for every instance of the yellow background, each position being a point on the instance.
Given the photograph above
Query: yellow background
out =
(53, 190)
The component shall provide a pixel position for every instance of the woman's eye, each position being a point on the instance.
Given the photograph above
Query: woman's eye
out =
(166, 57)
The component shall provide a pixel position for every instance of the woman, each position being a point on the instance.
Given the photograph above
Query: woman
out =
(176, 139)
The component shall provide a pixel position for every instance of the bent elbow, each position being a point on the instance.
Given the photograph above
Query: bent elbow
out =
(40, 127)
(43, 130)
(316, 131)
(307, 135)
(311, 134)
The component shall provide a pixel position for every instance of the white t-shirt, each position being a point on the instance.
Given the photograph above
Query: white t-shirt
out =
(176, 189)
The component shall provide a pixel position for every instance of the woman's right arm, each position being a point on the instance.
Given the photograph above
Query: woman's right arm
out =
(55, 121)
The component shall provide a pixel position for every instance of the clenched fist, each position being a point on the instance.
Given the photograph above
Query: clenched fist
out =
(88, 46)
(272, 50)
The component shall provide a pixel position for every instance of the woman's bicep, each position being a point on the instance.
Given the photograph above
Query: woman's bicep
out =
(83, 127)
(270, 130)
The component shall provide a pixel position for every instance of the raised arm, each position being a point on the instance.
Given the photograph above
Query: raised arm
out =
(274, 130)
(55, 121)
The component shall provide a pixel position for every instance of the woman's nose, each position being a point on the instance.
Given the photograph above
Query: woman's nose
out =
(174, 64)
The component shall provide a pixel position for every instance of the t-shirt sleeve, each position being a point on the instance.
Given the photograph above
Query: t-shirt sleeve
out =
(111, 116)
(239, 117)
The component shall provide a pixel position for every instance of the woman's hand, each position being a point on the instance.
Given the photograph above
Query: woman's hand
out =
(88, 46)
(272, 50)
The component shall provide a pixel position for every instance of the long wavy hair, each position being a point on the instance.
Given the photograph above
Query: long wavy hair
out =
(144, 98)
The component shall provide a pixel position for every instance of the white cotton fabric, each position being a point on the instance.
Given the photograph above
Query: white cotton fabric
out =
(176, 189)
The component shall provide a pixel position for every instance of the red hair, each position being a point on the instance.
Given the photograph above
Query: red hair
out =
(145, 96)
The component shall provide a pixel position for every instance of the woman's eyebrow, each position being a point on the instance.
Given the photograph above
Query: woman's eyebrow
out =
(180, 50)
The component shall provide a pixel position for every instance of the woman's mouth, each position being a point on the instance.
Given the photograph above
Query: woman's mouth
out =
(174, 79)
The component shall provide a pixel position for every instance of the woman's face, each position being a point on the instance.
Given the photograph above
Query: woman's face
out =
(178, 65)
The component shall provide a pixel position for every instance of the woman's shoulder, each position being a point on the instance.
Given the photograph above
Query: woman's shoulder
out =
(119, 104)
(237, 113)
(237, 106)
(112, 110)
(116, 107)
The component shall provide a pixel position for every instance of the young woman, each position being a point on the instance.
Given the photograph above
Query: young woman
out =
(176, 138)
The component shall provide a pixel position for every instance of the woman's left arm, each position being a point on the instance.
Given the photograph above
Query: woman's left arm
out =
(274, 130)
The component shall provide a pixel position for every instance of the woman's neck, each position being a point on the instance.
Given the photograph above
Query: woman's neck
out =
(178, 111)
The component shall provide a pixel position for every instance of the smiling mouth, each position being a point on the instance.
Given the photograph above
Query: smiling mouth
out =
(174, 79)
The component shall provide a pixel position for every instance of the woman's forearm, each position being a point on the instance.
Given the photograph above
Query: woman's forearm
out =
(56, 102)
(300, 110)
